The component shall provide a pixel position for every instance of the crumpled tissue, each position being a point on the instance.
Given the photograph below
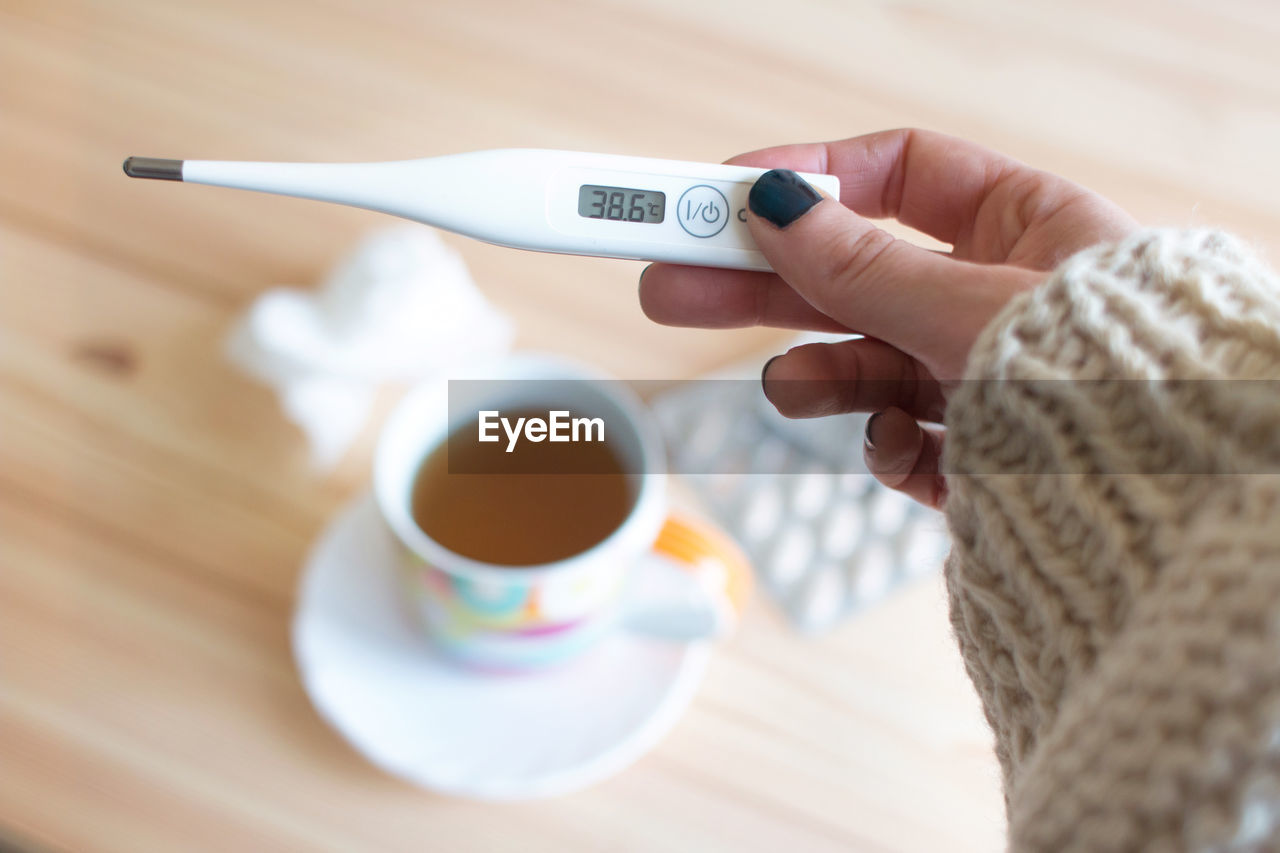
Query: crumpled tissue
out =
(401, 307)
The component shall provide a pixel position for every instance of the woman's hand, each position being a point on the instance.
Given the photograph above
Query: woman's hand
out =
(920, 311)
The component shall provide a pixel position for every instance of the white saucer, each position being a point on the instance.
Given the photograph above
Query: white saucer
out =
(375, 678)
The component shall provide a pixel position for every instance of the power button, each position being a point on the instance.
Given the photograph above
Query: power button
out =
(702, 211)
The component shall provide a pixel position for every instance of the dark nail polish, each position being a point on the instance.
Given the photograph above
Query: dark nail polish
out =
(868, 444)
(781, 196)
(764, 372)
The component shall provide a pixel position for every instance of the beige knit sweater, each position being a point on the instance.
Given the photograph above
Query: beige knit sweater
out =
(1115, 576)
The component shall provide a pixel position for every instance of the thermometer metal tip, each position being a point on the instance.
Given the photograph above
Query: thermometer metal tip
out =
(153, 167)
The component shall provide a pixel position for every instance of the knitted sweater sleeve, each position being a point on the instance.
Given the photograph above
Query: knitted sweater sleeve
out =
(1114, 581)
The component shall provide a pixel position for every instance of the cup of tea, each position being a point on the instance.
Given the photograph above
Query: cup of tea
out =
(526, 503)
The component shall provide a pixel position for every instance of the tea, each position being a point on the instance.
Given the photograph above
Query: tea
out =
(521, 503)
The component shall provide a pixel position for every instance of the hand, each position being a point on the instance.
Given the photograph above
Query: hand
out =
(920, 311)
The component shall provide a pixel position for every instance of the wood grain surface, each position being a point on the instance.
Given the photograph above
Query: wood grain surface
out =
(155, 507)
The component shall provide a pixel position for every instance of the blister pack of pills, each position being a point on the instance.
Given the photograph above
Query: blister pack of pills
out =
(825, 537)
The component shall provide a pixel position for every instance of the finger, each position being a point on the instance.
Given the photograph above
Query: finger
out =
(929, 181)
(705, 298)
(904, 456)
(861, 375)
(927, 305)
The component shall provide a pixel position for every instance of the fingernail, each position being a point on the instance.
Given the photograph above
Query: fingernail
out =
(869, 443)
(764, 372)
(781, 196)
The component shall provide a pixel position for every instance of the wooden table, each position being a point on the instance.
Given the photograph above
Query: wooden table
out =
(155, 507)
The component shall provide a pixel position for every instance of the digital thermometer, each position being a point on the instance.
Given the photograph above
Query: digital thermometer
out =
(549, 201)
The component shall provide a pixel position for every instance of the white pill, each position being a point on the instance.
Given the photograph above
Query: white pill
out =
(791, 556)
(769, 455)
(842, 529)
(810, 493)
(720, 489)
(856, 485)
(706, 439)
(872, 570)
(763, 510)
(889, 510)
(825, 599)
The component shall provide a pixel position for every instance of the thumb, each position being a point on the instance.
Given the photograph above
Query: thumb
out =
(924, 303)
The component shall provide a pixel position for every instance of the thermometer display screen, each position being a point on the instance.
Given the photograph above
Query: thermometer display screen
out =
(621, 204)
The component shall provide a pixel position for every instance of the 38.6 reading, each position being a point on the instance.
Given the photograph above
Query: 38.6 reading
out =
(621, 204)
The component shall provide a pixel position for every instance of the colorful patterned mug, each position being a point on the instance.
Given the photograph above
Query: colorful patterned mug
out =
(507, 618)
